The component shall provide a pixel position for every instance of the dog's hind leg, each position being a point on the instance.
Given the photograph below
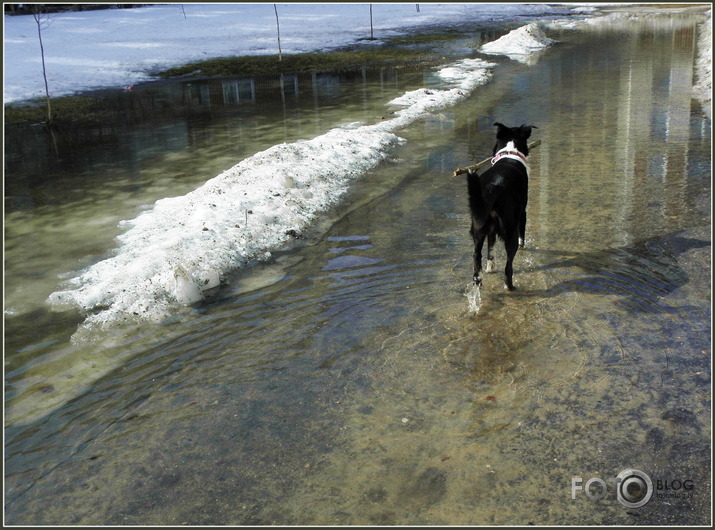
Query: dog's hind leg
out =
(478, 236)
(491, 238)
(511, 244)
(522, 229)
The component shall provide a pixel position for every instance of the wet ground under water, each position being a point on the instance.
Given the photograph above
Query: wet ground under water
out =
(348, 383)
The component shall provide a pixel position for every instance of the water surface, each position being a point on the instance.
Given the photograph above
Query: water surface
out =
(347, 382)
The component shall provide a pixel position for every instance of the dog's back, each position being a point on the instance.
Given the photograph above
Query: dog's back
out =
(497, 197)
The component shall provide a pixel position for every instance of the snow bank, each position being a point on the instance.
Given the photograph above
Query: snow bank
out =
(704, 65)
(520, 44)
(172, 254)
(465, 75)
(181, 248)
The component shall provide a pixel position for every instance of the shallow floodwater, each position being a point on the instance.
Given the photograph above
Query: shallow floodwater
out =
(347, 382)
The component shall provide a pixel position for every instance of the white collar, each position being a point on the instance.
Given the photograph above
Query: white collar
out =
(513, 153)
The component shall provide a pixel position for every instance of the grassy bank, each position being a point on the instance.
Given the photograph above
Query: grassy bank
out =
(64, 109)
(407, 50)
(300, 63)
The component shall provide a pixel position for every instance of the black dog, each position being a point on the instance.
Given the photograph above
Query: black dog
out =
(498, 198)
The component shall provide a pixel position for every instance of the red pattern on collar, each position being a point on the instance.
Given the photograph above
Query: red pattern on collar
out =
(502, 154)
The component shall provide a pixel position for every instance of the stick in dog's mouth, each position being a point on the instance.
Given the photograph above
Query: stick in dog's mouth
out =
(474, 167)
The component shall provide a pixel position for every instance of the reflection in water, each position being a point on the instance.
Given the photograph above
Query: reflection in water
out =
(169, 124)
(354, 387)
(648, 107)
(83, 196)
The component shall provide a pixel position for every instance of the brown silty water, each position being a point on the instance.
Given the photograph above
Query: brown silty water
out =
(348, 382)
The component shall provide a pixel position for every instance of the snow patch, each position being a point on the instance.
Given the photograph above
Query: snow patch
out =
(172, 254)
(703, 87)
(464, 75)
(520, 44)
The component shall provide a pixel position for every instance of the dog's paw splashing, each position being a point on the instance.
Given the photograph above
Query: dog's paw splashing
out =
(474, 298)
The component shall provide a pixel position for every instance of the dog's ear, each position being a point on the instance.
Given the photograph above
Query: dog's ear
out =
(526, 130)
(501, 129)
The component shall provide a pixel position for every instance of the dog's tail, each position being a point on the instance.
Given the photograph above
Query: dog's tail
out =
(479, 207)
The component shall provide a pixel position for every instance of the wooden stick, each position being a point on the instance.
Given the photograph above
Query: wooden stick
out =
(462, 170)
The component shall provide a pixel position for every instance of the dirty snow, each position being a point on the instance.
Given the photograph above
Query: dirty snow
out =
(704, 66)
(520, 44)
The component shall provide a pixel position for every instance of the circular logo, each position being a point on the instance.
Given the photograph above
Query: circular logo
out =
(635, 488)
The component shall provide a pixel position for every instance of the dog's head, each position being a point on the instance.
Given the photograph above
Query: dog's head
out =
(517, 135)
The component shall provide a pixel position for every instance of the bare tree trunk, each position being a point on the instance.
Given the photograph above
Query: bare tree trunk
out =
(37, 15)
(371, 33)
(278, 27)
